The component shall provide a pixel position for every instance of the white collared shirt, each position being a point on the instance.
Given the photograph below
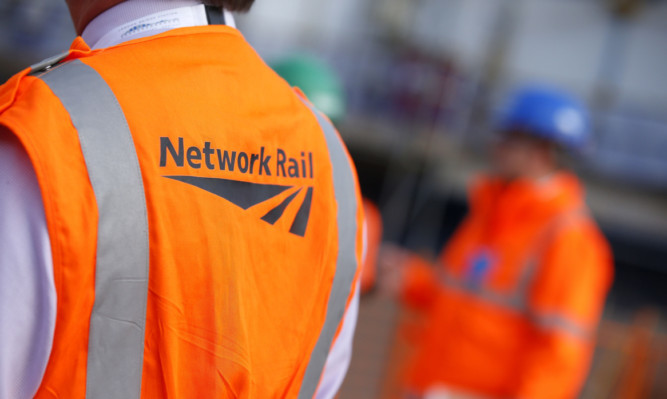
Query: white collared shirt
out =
(134, 19)
(27, 291)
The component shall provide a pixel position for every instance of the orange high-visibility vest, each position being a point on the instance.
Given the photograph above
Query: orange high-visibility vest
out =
(205, 222)
(512, 309)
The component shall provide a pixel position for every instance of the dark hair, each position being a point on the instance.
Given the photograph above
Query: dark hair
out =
(231, 5)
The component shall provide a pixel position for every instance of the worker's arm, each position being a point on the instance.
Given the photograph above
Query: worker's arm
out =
(27, 290)
(419, 283)
(567, 299)
(421, 279)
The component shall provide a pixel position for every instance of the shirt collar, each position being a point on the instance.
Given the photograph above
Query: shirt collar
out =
(134, 19)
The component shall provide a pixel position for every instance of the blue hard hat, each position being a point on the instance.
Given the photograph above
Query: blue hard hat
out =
(548, 113)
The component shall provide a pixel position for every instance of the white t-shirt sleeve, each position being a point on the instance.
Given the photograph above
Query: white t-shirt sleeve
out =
(27, 289)
(340, 354)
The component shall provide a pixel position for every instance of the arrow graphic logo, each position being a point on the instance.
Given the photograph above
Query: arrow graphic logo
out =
(246, 195)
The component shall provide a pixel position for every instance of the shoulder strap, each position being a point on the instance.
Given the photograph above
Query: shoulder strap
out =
(45, 65)
(215, 15)
(116, 338)
(9, 89)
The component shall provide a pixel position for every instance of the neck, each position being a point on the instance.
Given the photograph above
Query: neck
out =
(83, 11)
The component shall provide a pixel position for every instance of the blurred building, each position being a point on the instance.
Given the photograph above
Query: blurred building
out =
(31, 30)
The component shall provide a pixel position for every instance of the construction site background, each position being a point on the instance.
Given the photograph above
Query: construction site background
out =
(423, 79)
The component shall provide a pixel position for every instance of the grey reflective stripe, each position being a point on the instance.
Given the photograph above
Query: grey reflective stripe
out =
(539, 247)
(116, 340)
(519, 299)
(346, 263)
(516, 303)
(48, 63)
(497, 298)
(555, 322)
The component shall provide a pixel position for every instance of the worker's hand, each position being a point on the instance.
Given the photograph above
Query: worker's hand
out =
(392, 261)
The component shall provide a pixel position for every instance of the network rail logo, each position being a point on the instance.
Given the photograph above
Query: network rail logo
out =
(242, 193)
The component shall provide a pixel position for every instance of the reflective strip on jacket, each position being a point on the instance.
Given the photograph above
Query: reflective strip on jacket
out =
(514, 310)
(205, 220)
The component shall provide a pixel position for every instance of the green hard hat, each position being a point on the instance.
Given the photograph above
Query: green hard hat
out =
(317, 81)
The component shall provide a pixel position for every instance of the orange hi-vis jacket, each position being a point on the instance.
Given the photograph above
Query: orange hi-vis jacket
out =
(512, 308)
(372, 242)
(205, 222)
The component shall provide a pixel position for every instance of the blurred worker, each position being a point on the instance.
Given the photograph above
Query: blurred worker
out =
(511, 311)
(177, 222)
(372, 243)
(323, 88)
(317, 81)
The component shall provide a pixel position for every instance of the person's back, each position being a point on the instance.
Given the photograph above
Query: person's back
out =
(250, 227)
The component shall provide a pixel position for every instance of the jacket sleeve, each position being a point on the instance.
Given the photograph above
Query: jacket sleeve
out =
(566, 302)
(422, 280)
(420, 286)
